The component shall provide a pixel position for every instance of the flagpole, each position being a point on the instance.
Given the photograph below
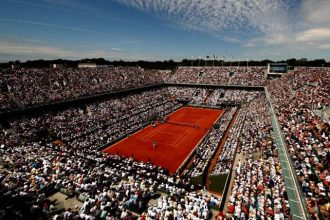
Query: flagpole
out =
(247, 61)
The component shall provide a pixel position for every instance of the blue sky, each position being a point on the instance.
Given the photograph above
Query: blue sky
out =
(164, 29)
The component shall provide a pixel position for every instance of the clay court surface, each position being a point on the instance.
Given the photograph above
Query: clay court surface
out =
(175, 139)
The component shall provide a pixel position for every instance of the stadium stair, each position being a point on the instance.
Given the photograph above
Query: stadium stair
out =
(14, 100)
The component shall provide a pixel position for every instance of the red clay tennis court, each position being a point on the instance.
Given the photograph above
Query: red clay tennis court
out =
(175, 139)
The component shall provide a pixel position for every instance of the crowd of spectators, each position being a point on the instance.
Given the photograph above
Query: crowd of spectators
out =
(37, 86)
(110, 183)
(247, 76)
(294, 97)
(192, 205)
(237, 96)
(29, 87)
(114, 186)
(200, 75)
(183, 93)
(97, 124)
(259, 191)
(251, 76)
(226, 158)
(256, 131)
(212, 97)
(111, 186)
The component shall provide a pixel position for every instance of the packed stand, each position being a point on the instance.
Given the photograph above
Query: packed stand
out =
(101, 123)
(212, 97)
(251, 76)
(200, 75)
(243, 76)
(226, 158)
(38, 86)
(110, 184)
(182, 93)
(259, 191)
(114, 185)
(294, 97)
(188, 206)
(237, 96)
(256, 132)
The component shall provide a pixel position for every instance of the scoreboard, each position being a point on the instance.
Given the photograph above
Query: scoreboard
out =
(277, 68)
